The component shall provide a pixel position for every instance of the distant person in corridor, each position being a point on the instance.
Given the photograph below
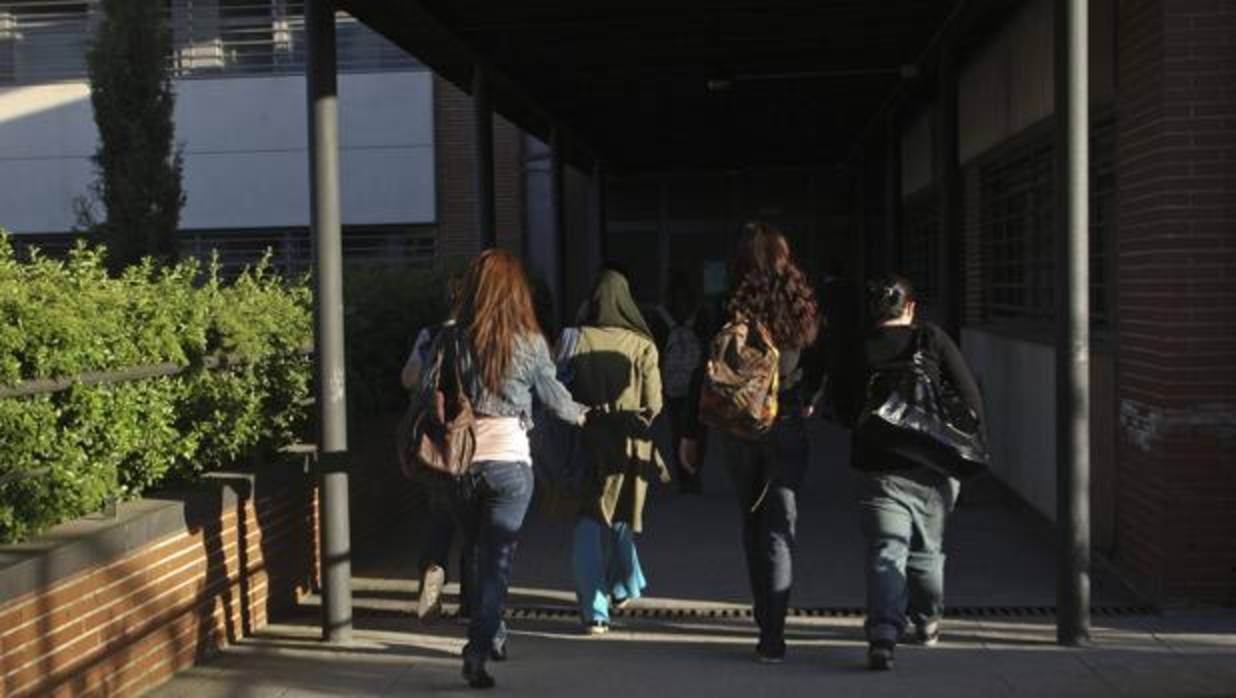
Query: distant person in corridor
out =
(680, 329)
(904, 499)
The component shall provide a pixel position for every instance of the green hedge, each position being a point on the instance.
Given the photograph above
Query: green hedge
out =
(64, 318)
(385, 309)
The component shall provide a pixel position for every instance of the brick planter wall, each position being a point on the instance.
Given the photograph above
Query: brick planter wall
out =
(165, 584)
(111, 607)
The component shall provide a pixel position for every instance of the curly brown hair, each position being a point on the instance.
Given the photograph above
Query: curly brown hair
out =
(772, 289)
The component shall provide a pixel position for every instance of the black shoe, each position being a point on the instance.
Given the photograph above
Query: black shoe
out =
(880, 655)
(770, 653)
(476, 676)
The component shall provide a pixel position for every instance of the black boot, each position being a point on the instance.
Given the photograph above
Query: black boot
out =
(476, 676)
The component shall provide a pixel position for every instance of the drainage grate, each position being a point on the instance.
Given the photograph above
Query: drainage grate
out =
(705, 613)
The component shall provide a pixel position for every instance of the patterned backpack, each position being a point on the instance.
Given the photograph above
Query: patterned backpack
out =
(741, 380)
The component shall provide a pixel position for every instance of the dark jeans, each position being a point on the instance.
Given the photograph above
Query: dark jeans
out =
(767, 475)
(439, 534)
(490, 505)
(903, 515)
(676, 411)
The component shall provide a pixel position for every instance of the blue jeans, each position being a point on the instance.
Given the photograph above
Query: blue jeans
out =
(605, 563)
(491, 501)
(767, 475)
(902, 515)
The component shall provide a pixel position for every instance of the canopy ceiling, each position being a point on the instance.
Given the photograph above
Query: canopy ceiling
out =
(680, 84)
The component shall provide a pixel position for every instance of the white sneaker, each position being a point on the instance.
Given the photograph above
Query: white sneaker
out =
(429, 600)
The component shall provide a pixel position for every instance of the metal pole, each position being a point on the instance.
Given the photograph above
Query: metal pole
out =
(861, 263)
(484, 120)
(598, 210)
(948, 267)
(558, 202)
(335, 554)
(892, 193)
(1072, 323)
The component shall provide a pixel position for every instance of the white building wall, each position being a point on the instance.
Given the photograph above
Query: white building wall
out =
(1018, 383)
(245, 147)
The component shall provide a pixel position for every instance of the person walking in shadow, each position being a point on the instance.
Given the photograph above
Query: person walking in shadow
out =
(905, 494)
(770, 292)
(613, 368)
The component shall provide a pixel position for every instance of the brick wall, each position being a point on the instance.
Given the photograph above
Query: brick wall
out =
(454, 139)
(243, 549)
(122, 627)
(1176, 251)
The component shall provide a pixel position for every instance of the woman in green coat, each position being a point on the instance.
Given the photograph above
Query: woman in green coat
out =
(614, 371)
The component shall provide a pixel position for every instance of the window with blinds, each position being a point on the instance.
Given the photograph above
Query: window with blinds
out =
(47, 40)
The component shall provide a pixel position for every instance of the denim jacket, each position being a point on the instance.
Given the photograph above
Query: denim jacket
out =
(532, 370)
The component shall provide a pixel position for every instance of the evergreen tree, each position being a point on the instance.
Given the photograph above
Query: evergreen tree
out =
(138, 167)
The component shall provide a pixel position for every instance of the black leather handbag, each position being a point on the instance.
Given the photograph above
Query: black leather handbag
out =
(908, 409)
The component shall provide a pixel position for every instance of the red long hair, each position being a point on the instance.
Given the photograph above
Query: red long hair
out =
(496, 307)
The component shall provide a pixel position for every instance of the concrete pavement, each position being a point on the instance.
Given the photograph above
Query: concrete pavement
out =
(683, 641)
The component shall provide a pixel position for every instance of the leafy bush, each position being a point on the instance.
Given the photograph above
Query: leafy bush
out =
(386, 307)
(63, 319)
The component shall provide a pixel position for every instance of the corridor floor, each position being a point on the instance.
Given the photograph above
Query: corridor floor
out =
(689, 636)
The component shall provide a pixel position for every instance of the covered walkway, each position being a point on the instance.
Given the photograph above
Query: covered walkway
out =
(690, 637)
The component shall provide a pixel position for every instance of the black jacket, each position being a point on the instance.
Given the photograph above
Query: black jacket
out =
(888, 345)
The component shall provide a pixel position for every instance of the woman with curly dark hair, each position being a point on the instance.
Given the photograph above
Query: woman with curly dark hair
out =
(771, 290)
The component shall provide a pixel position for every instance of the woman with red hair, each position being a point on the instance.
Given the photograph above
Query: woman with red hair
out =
(504, 360)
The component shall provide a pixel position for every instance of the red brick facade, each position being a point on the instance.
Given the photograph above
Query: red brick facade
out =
(454, 152)
(1176, 249)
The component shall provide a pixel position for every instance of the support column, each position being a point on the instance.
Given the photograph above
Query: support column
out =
(557, 194)
(483, 118)
(948, 185)
(598, 212)
(336, 553)
(861, 263)
(1072, 323)
(892, 193)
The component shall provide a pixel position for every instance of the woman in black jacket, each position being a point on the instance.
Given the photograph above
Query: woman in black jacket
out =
(768, 472)
(905, 498)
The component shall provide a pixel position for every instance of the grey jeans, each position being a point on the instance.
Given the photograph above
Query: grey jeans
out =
(903, 517)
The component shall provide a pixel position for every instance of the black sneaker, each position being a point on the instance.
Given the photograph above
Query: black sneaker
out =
(880, 655)
(476, 676)
(770, 653)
